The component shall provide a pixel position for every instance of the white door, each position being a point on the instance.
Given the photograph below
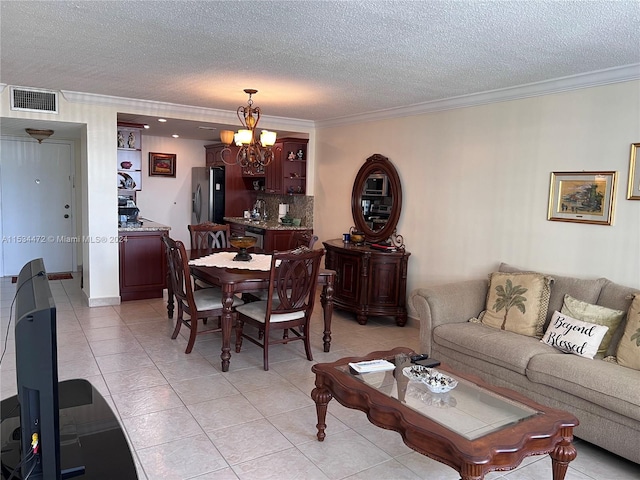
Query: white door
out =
(36, 181)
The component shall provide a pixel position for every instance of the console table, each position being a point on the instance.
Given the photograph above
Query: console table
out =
(369, 282)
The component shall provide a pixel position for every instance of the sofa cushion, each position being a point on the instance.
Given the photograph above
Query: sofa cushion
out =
(506, 349)
(628, 353)
(597, 314)
(614, 295)
(574, 336)
(585, 290)
(517, 302)
(604, 384)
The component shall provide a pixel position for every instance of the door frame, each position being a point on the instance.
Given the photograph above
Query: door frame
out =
(75, 252)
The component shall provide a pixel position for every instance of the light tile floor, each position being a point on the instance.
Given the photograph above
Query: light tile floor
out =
(187, 420)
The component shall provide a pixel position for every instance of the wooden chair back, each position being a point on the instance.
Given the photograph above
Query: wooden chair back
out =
(302, 238)
(179, 272)
(292, 282)
(209, 236)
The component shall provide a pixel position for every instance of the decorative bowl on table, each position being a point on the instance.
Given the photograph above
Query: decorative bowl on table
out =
(435, 381)
(242, 243)
(357, 237)
(287, 220)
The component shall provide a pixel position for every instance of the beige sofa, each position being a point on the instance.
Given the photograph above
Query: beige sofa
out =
(604, 396)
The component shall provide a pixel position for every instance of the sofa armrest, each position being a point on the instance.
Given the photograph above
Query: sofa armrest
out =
(449, 303)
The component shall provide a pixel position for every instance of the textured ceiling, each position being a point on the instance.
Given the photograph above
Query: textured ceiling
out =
(309, 60)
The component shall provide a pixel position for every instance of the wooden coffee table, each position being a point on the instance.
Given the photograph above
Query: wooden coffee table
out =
(475, 428)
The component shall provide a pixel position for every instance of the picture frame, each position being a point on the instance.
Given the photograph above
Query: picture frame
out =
(633, 189)
(582, 197)
(162, 164)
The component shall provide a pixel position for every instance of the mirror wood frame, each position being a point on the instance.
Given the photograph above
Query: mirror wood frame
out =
(376, 163)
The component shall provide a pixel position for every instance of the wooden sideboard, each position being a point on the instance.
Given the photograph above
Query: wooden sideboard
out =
(369, 282)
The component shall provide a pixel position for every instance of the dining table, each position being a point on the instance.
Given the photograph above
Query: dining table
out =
(243, 280)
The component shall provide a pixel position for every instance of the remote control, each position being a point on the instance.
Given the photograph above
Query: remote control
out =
(428, 362)
(421, 356)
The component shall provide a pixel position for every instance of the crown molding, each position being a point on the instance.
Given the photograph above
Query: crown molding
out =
(547, 87)
(175, 110)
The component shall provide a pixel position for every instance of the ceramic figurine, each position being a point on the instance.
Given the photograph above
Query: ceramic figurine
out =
(291, 156)
(120, 140)
(300, 154)
(132, 140)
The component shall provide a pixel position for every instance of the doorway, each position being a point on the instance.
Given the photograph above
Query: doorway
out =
(36, 186)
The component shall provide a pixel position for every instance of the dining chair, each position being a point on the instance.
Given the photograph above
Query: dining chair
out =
(209, 236)
(303, 238)
(197, 304)
(292, 292)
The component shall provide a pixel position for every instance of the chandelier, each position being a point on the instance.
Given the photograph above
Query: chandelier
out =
(252, 155)
(39, 135)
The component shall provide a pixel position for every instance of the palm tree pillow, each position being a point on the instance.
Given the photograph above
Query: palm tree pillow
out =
(628, 354)
(517, 302)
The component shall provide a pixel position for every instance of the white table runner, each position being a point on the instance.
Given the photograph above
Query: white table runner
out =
(259, 261)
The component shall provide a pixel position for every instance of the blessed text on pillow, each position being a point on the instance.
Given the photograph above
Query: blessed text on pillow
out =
(574, 336)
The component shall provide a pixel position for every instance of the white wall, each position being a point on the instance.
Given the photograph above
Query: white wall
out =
(476, 184)
(168, 200)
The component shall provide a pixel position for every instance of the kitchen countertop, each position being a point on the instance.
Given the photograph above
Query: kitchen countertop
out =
(268, 225)
(147, 226)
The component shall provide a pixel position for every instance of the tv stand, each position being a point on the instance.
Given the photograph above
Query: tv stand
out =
(92, 442)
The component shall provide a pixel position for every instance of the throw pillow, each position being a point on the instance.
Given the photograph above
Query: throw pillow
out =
(517, 302)
(594, 314)
(574, 336)
(629, 347)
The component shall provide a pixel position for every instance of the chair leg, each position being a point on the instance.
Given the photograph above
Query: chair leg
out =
(239, 325)
(285, 334)
(192, 335)
(265, 347)
(307, 343)
(176, 330)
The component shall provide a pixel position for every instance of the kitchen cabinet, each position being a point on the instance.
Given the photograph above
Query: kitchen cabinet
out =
(278, 240)
(236, 197)
(236, 230)
(143, 264)
(368, 282)
(129, 144)
(287, 173)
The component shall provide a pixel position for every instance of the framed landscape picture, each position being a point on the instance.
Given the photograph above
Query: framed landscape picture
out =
(633, 191)
(582, 197)
(162, 164)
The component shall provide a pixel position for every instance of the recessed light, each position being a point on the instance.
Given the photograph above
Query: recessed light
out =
(163, 120)
(175, 135)
(146, 126)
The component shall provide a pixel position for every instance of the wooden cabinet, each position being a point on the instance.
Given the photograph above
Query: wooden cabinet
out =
(368, 282)
(237, 198)
(129, 157)
(287, 173)
(143, 264)
(278, 240)
(236, 230)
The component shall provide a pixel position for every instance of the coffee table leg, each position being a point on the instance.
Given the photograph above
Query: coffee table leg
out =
(563, 454)
(322, 397)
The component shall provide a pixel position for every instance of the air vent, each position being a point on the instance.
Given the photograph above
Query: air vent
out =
(32, 100)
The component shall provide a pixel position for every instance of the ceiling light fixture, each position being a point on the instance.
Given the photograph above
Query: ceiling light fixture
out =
(252, 156)
(39, 134)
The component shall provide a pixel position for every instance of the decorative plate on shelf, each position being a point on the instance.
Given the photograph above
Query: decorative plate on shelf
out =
(125, 181)
(434, 380)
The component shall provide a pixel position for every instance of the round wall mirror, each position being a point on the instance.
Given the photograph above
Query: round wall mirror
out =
(376, 199)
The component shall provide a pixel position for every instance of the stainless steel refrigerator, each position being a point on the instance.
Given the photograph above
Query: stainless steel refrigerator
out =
(207, 194)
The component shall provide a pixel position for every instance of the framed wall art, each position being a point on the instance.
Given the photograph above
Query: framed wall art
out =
(633, 191)
(582, 197)
(162, 164)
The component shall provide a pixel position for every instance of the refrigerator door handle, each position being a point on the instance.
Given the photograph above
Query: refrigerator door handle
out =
(197, 202)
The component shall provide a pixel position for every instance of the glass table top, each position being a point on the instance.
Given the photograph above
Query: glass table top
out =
(468, 410)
